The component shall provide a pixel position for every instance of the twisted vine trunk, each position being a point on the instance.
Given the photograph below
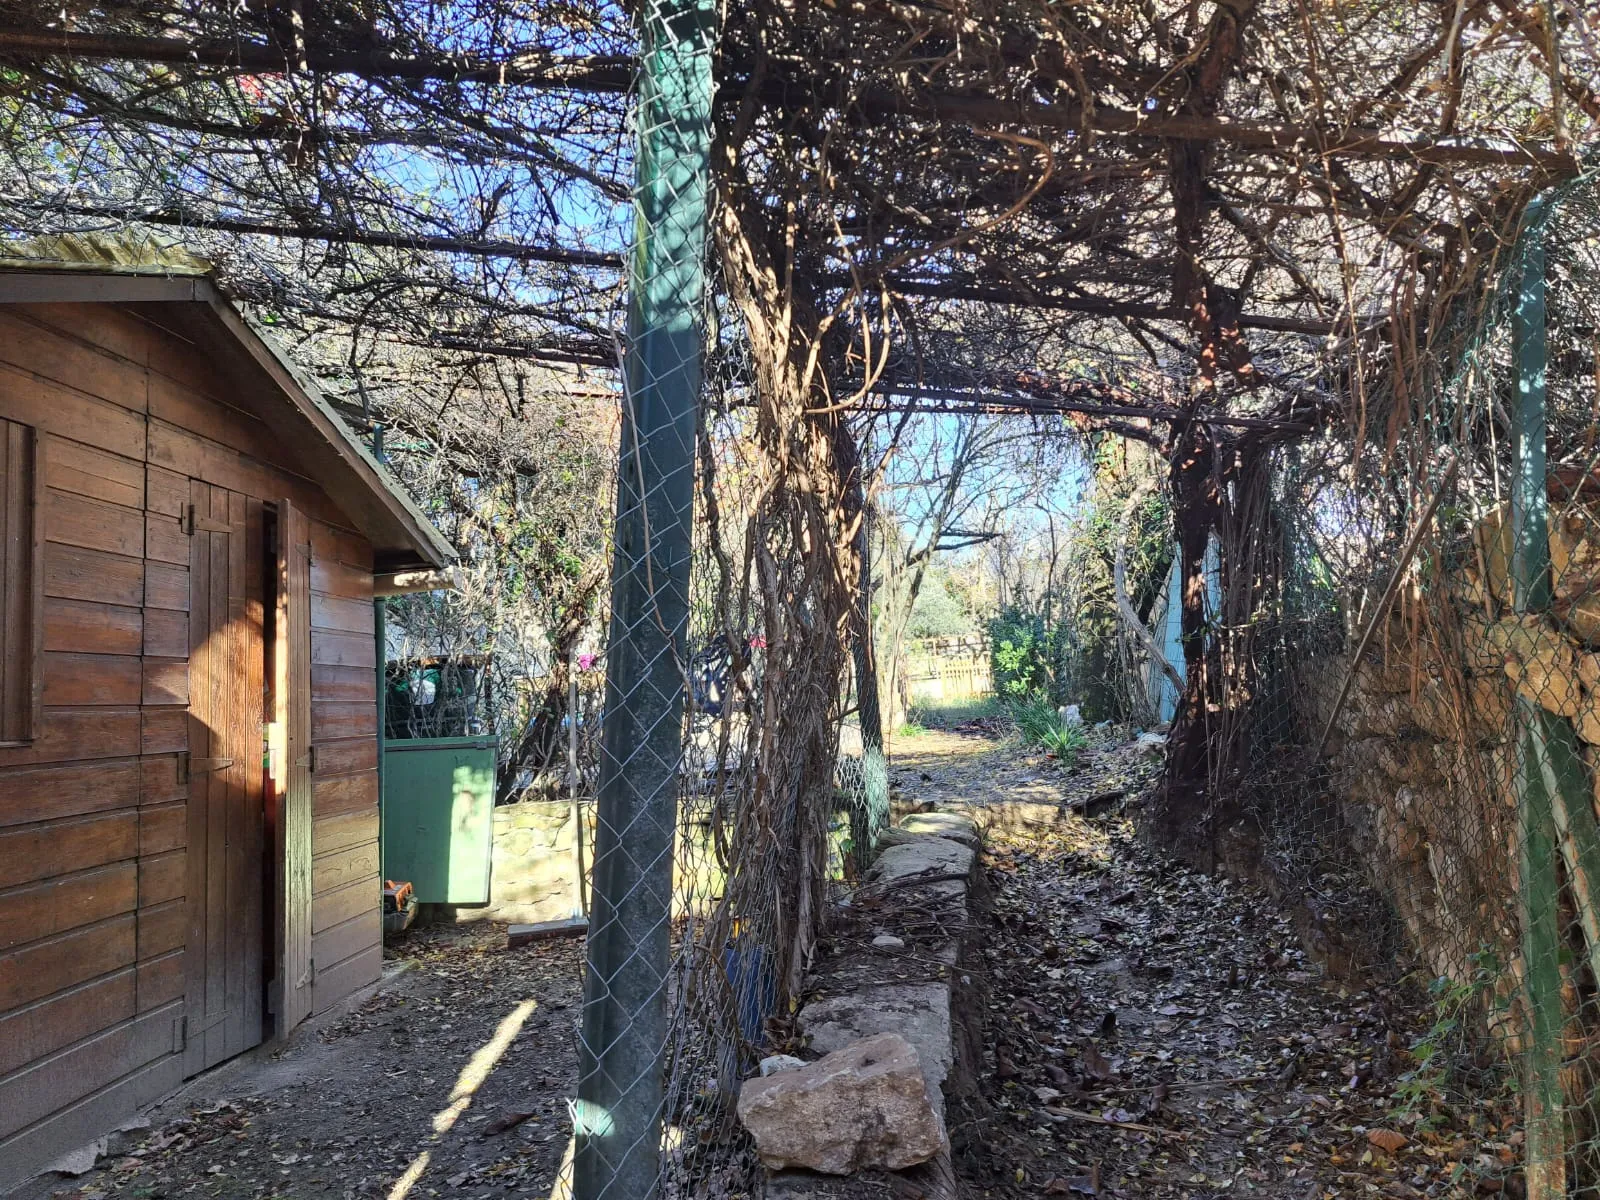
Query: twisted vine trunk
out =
(540, 744)
(804, 570)
(1184, 802)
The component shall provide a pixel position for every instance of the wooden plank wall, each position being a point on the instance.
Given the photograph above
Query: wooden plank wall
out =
(92, 816)
(346, 893)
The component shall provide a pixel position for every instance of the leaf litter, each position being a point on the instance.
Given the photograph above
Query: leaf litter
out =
(357, 1096)
(1153, 1032)
(1156, 1032)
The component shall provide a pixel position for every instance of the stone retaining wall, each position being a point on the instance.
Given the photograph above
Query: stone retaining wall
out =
(533, 873)
(886, 973)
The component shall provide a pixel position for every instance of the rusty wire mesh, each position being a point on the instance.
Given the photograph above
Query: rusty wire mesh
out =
(1404, 639)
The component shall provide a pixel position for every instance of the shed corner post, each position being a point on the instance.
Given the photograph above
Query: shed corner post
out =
(380, 635)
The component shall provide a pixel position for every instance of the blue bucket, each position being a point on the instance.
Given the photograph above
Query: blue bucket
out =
(754, 982)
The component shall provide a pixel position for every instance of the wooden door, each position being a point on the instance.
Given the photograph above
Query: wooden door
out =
(292, 766)
(227, 664)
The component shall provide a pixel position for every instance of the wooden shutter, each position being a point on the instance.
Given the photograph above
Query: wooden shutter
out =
(293, 718)
(21, 582)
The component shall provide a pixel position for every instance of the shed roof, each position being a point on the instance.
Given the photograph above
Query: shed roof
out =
(178, 291)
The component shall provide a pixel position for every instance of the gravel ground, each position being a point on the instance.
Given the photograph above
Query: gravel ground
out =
(1153, 1033)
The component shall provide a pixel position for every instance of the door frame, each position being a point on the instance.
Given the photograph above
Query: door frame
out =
(292, 760)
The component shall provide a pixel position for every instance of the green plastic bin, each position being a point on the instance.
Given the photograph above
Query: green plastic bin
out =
(438, 816)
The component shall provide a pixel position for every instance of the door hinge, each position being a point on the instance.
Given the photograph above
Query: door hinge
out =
(308, 760)
(194, 523)
(189, 766)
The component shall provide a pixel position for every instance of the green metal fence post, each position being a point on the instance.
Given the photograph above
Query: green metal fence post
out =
(1545, 756)
(618, 1116)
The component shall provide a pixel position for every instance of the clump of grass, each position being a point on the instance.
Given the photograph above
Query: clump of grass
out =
(1040, 724)
(910, 730)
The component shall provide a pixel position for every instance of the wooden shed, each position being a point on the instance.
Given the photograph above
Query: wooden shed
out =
(189, 542)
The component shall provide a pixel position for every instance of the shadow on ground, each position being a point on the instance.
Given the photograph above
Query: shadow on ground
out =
(1158, 1033)
(449, 1079)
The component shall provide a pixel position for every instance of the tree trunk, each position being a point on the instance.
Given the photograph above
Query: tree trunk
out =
(871, 813)
(540, 743)
(1181, 819)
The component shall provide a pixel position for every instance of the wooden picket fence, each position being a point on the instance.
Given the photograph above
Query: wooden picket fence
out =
(943, 670)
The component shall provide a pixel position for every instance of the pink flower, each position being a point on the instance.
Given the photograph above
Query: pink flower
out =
(585, 662)
(758, 642)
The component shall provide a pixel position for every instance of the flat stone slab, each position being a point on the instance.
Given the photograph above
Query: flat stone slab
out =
(543, 931)
(946, 825)
(934, 1180)
(944, 866)
(918, 1012)
(925, 854)
(895, 836)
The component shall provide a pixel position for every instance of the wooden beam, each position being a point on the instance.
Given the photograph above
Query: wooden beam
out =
(94, 285)
(541, 931)
(403, 583)
(486, 248)
(983, 400)
(1249, 135)
(605, 73)
(614, 74)
(1096, 306)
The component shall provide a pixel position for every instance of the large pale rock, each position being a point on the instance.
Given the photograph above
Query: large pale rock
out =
(1574, 553)
(862, 1107)
(950, 825)
(1540, 662)
(1582, 616)
(917, 1012)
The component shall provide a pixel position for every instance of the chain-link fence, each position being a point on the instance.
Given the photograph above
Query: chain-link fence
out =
(621, 1116)
(724, 807)
(1391, 693)
(1402, 669)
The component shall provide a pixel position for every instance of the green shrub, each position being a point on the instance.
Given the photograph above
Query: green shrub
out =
(1023, 656)
(1034, 718)
(1066, 743)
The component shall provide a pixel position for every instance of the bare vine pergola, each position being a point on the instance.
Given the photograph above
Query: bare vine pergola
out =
(1230, 230)
(1211, 227)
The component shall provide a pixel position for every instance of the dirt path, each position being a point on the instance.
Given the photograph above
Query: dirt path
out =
(1126, 989)
(454, 1074)
(1121, 987)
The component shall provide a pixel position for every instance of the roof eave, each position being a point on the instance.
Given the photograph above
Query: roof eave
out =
(430, 546)
(403, 538)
